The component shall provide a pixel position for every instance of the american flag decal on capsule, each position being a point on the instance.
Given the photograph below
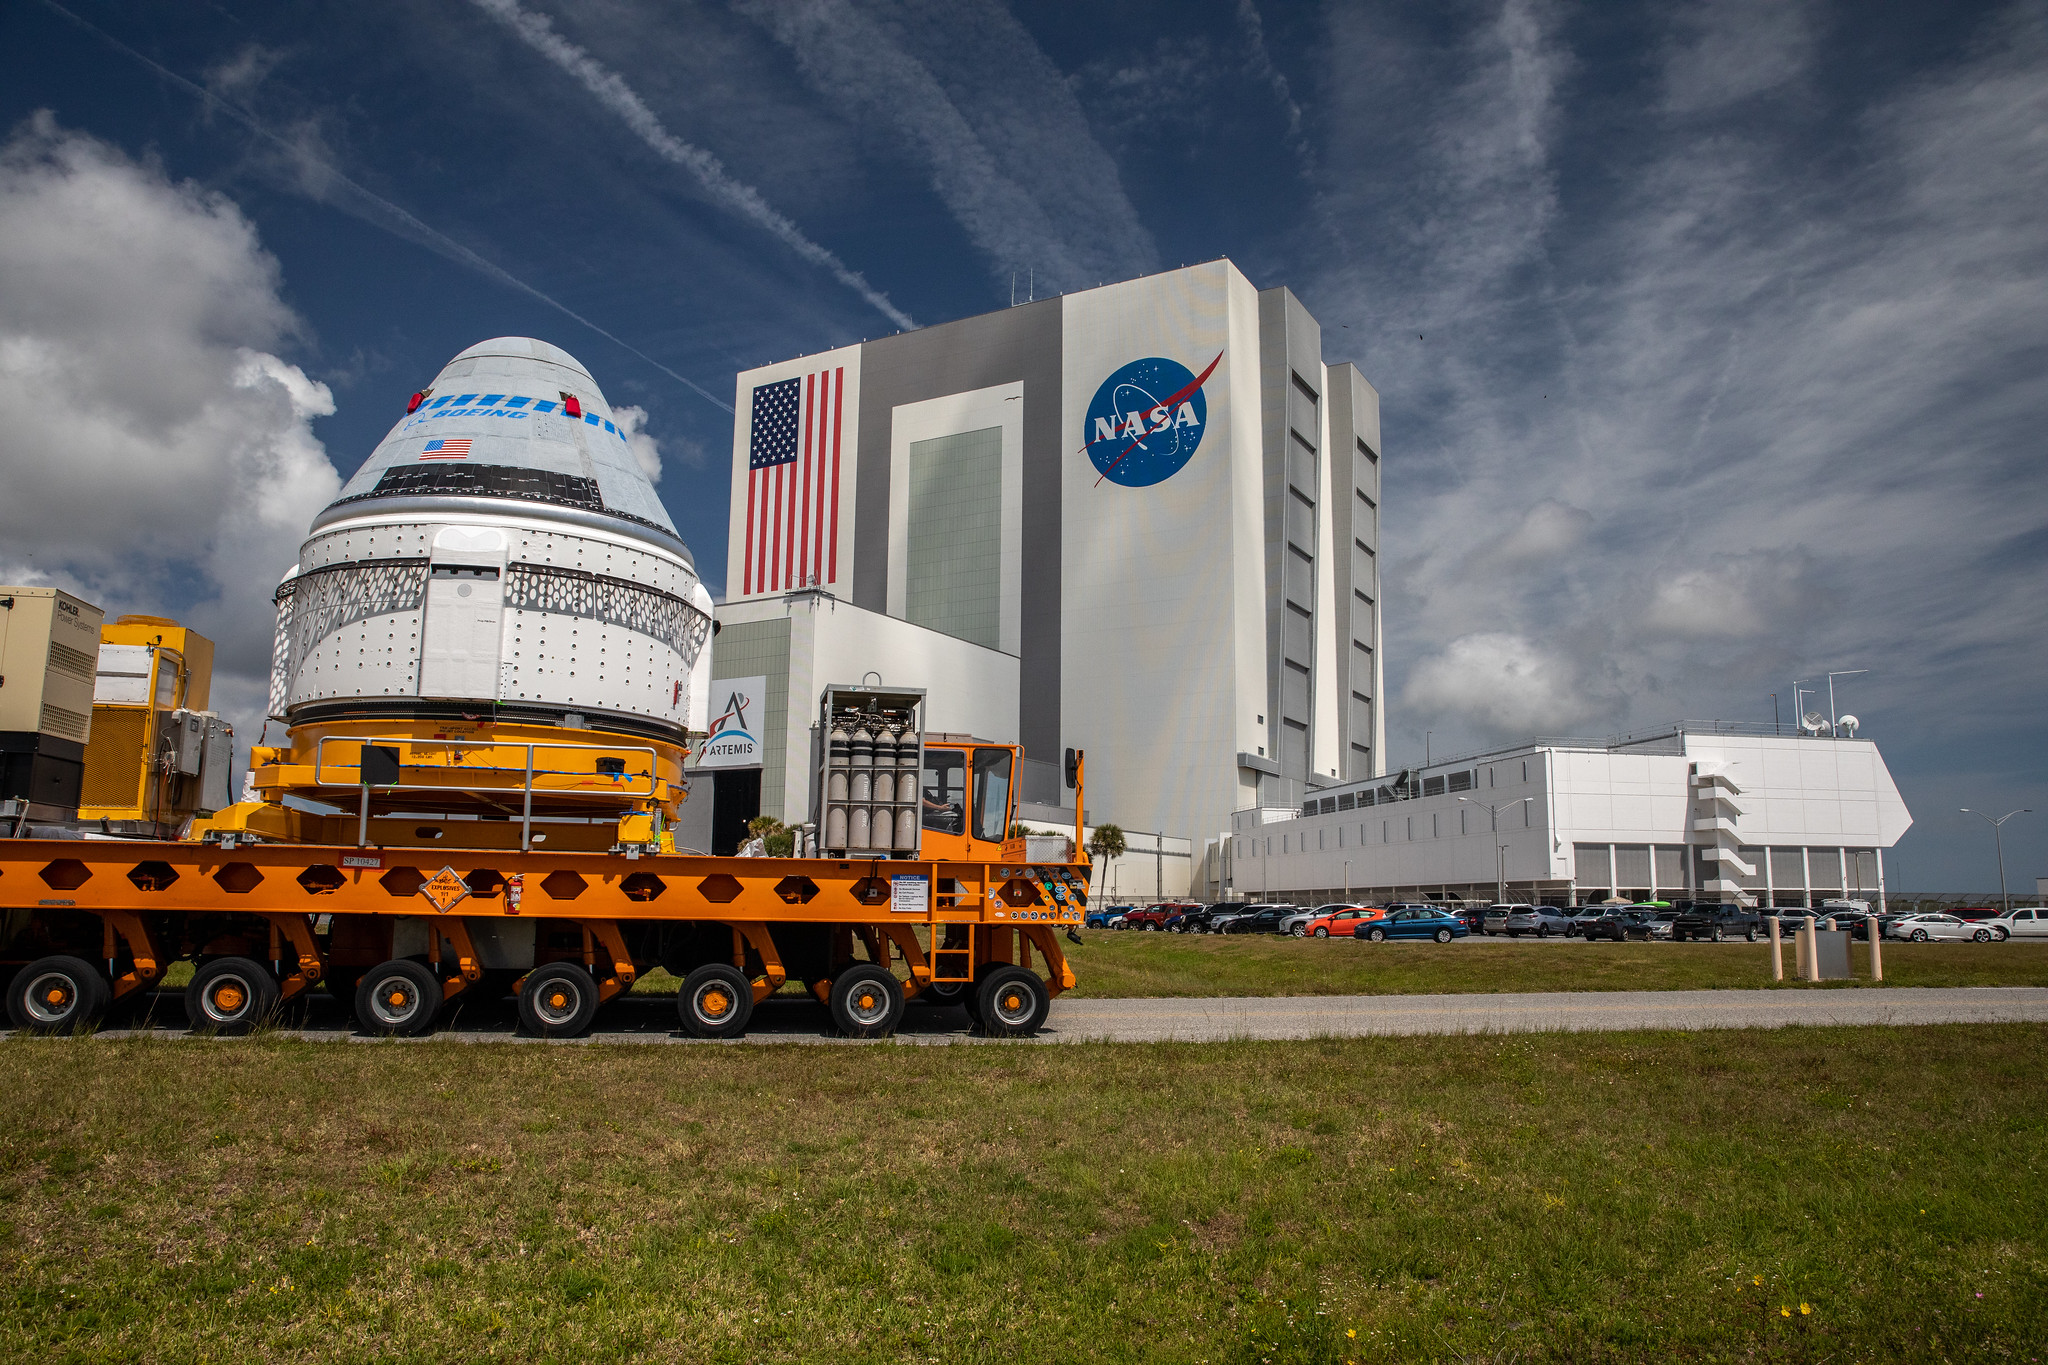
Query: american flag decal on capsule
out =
(447, 448)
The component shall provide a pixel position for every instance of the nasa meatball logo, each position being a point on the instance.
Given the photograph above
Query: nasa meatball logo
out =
(1146, 421)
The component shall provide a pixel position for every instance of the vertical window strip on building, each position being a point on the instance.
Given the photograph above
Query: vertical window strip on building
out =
(954, 563)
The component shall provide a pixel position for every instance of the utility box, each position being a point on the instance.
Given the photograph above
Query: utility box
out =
(49, 650)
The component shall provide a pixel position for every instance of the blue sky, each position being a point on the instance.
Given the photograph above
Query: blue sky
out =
(1712, 339)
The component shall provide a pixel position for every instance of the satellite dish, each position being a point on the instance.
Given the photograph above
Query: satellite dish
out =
(1850, 723)
(1813, 722)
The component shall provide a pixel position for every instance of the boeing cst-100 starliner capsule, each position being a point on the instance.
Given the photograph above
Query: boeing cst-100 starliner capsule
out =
(500, 557)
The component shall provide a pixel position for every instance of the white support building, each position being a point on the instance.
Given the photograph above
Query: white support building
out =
(1708, 811)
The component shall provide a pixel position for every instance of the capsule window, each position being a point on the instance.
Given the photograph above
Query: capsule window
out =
(463, 571)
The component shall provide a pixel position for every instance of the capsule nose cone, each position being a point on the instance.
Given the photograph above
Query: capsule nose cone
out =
(514, 419)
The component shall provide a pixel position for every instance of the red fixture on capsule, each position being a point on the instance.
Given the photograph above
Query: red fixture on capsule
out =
(570, 407)
(417, 399)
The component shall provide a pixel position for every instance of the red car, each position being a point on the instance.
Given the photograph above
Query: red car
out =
(1341, 923)
(1152, 917)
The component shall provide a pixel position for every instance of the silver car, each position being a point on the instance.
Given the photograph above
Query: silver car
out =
(1543, 921)
(1924, 928)
(1495, 920)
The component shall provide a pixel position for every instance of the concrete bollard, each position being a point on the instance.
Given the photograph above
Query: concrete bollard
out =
(1777, 951)
(1876, 953)
(1810, 946)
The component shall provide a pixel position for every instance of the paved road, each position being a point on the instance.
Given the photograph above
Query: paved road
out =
(652, 1019)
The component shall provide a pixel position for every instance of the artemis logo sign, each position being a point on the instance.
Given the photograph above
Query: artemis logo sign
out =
(1146, 421)
(735, 738)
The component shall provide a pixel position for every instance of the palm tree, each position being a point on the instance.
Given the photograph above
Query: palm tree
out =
(1106, 842)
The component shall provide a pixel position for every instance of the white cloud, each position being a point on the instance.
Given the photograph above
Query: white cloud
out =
(1506, 685)
(646, 451)
(160, 457)
(1782, 368)
(610, 89)
(1729, 50)
(976, 102)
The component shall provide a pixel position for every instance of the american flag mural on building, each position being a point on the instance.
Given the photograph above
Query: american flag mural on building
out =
(792, 525)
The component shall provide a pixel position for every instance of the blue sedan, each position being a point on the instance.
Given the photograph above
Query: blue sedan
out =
(1412, 922)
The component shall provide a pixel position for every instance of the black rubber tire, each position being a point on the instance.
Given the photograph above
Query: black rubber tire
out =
(230, 996)
(1444, 936)
(1754, 936)
(1717, 935)
(715, 1001)
(1919, 936)
(867, 1001)
(1323, 932)
(2003, 935)
(70, 995)
(1982, 936)
(558, 1000)
(1014, 1003)
(1376, 935)
(398, 999)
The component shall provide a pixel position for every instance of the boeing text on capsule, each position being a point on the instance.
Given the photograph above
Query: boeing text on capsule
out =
(1146, 421)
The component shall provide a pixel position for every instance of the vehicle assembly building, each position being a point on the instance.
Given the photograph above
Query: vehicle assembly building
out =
(1140, 520)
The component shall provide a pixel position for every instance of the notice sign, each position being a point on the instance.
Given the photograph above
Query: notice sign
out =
(909, 895)
(739, 714)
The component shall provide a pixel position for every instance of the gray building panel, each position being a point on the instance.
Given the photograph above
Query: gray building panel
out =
(1354, 498)
(1021, 344)
(1290, 380)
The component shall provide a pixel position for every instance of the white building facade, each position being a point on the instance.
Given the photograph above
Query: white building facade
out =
(1140, 520)
(1700, 811)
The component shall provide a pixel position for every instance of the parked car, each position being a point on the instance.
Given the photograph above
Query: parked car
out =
(1106, 917)
(1718, 922)
(1149, 918)
(1298, 922)
(1258, 919)
(1494, 918)
(1923, 928)
(1177, 912)
(1341, 920)
(1975, 914)
(1606, 921)
(2026, 921)
(1650, 925)
(1412, 921)
(1543, 921)
(1202, 919)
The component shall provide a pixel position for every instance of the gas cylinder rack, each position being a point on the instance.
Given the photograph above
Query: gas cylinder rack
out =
(870, 764)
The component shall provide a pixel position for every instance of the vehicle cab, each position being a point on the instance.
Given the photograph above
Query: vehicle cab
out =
(966, 798)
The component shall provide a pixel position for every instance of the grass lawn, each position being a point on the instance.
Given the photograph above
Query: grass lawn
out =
(1796, 1194)
(1116, 965)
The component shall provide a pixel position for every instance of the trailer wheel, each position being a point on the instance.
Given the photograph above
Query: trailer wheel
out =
(398, 999)
(60, 994)
(715, 1001)
(558, 1000)
(230, 995)
(1014, 1003)
(867, 1001)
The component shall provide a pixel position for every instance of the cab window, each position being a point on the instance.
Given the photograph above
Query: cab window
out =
(944, 790)
(991, 794)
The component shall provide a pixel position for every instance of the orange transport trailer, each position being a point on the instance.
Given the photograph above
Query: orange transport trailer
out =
(89, 925)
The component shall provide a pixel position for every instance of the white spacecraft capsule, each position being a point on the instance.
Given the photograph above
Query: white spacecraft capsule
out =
(501, 557)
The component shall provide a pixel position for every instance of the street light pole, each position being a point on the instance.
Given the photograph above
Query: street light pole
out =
(1500, 885)
(1998, 841)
